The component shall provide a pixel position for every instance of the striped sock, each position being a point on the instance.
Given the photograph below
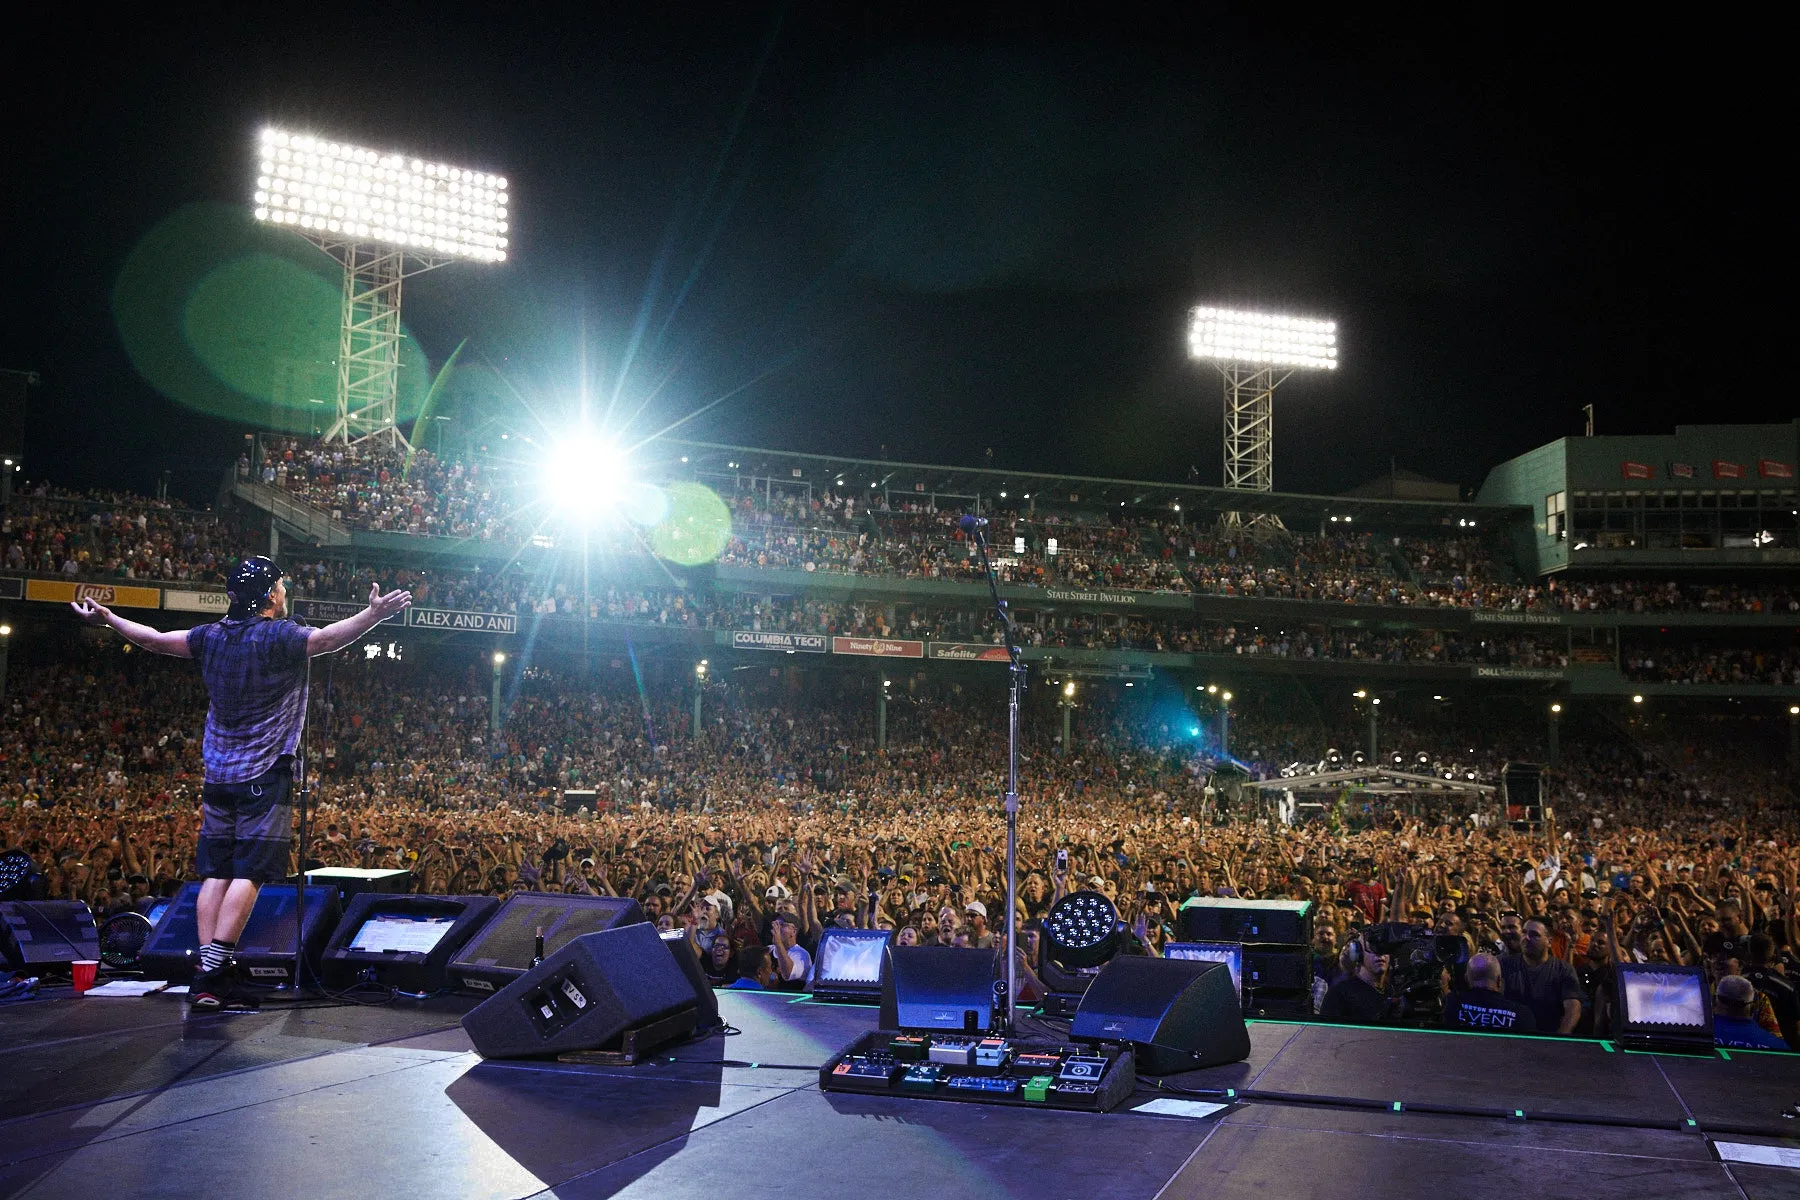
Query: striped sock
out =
(217, 954)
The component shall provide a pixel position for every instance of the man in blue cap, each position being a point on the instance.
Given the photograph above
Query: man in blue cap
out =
(254, 664)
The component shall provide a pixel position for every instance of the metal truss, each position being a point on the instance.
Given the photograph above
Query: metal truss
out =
(368, 362)
(1250, 435)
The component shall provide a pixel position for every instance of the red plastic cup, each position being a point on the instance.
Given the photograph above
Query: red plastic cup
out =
(84, 969)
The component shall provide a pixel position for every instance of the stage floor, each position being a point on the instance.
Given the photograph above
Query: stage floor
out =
(126, 1097)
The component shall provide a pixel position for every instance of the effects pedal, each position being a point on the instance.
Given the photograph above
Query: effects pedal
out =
(1038, 1064)
(1076, 1087)
(1080, 1069)
(1037, 1088)
(952, 1052)
(867, 1068)
(909, 1047)
(984, 1083)
(922, 1077)
(992, 1052)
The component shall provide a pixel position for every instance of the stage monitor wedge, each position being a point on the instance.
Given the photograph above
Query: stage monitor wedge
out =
(402, 941)
(265, 948)
(585, 996)
(1179, 1015)
(503, 948)
(848, 965)
(947, 988)
(39, 934)
(687, 957)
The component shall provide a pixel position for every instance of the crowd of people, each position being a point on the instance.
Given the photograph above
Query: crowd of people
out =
(1698, 662)
(47, 530)
(783, 804)
(840, 530)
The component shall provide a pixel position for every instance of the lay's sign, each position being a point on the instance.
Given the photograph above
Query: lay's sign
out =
(58, 591)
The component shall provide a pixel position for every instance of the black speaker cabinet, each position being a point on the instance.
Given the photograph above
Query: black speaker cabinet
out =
(586, 996)
(1278, 967)
(47, 933)
(505, 946)
(1226, 919)
(938, 987)
(265, 948)
(1179, 1014)
(405, 941)
(687, 957)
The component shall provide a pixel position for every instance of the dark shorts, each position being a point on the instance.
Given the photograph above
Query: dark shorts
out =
(247, 829)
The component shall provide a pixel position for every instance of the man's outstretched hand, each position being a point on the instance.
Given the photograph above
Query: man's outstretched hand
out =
(91, 611)
(382, 604)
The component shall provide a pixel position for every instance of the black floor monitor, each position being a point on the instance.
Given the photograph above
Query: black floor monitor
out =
(403, 941)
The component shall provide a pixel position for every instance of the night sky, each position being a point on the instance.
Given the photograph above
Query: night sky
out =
(880, 230)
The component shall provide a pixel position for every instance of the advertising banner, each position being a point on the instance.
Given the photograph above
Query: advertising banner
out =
(1681, 470)
(56, 591)
(1637, 470)
(1515, 618)
(1546, 674)
(878, 647)
(1768, 468)
(326, 610)
(966, 652)
(217, 603)
(1727, 470)
(809, 643)
(472, 622)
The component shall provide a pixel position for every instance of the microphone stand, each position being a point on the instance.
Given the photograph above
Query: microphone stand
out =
(977, 527)
(302, 796)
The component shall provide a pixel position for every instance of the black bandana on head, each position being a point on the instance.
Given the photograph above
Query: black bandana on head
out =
(250, 584)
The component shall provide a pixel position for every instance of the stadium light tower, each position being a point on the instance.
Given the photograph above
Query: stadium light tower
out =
(384, 216)
(1255, 352)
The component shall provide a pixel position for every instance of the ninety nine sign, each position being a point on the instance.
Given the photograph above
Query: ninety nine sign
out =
(879, 647)
(967, 652)
(54, 591)
(473, 622)
(811, 643)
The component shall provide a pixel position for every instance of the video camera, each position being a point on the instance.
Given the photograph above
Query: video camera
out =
(1417, 959)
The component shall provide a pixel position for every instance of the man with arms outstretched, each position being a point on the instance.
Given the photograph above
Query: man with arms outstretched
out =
(254, 664)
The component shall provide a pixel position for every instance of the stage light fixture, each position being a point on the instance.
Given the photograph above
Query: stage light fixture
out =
(584, 474)
(363, 195)
(15, 874)
(1082, 930)
(1270, 339)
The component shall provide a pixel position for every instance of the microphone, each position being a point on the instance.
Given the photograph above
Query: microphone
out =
(970, 523)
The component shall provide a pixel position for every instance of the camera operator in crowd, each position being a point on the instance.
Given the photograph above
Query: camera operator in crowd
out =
(1357, 998)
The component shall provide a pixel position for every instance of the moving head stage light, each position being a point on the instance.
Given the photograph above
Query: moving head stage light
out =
(1081, 934)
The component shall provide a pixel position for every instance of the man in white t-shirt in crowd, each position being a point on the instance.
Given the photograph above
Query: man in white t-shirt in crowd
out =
(980, 936)
(793, 965)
